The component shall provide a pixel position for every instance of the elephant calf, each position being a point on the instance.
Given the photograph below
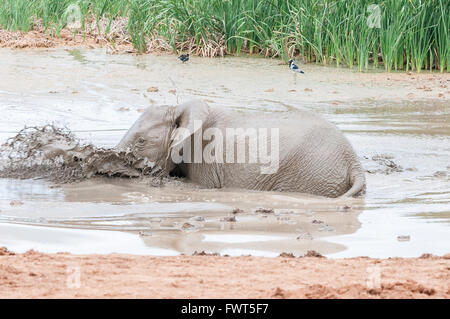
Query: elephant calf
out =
(294, 152)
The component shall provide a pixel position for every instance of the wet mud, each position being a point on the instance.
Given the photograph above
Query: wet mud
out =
(63, 187)
(384, 165)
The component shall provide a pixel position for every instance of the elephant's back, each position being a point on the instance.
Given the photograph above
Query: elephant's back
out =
(314, 155)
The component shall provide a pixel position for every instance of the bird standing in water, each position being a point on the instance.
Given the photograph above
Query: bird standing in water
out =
(293, 67)
(184, 57)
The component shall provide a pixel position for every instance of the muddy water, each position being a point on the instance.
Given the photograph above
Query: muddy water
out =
(403, 143)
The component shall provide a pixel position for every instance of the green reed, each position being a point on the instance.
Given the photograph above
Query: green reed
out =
(395, 34)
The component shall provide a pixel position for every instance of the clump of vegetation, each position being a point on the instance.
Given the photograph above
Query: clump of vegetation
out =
(395, 34)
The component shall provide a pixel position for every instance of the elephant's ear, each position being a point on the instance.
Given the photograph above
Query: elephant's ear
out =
(189, 117)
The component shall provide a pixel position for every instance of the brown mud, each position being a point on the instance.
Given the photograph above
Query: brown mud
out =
(209, 276)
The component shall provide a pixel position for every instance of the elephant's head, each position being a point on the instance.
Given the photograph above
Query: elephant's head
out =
(158, 130)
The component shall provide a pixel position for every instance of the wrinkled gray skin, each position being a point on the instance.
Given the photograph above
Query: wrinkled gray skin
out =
(315, 157)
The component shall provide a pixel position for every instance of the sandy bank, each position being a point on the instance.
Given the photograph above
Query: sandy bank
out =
(37, 275)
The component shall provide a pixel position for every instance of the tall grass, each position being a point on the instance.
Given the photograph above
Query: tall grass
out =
(412, 34)
(17, 14)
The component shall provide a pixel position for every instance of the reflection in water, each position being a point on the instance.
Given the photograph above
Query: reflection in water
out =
(99, 96)
(183, 218)
(77, 55)
(25, 190)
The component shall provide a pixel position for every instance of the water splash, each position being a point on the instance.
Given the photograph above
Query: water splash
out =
(56, 154)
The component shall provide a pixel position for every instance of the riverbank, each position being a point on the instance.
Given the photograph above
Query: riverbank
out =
(342, 84)
(63, 275)
(335, 85)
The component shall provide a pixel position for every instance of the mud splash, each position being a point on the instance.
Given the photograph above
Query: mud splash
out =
(55, 154)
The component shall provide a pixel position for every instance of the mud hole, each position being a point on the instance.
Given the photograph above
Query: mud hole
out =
(402, 143)
(55, 154)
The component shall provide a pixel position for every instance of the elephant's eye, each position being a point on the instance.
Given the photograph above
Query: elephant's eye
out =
(141, 140)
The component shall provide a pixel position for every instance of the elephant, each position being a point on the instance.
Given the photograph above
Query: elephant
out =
(308, 154)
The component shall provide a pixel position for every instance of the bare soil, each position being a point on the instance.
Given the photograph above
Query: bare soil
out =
(37, 38)
(38, 275)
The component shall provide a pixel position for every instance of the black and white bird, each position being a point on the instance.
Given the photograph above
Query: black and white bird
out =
(184, 57)
(294, 67)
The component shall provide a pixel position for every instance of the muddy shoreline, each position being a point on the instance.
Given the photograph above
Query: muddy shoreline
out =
(63, 275)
